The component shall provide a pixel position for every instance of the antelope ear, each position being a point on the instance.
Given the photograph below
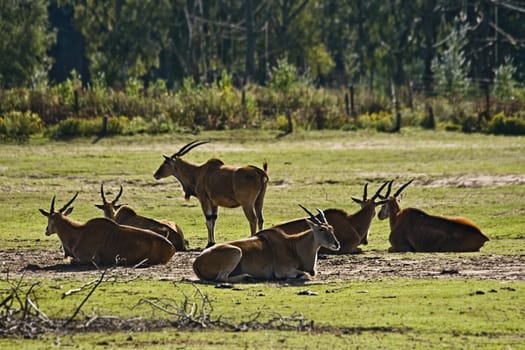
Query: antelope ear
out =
(68, 211)
(310, 223)
(357, 200)
(100, 206)
(45, 213)
(166, 157)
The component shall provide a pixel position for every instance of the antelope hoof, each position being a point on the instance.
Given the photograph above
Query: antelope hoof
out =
(210, 244)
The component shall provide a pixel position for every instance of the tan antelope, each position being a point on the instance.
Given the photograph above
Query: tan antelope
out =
(216, 184)
(350, 230)
(125, 215)
(101, 241)
(412, 230)
(269, 255)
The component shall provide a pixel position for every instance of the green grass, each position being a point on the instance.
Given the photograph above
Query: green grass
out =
(387, 313)
(316, 169)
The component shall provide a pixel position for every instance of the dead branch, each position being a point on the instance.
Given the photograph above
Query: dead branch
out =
(98, 282)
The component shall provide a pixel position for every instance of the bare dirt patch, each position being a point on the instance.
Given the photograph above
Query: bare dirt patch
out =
(372, 265)
(475, 181)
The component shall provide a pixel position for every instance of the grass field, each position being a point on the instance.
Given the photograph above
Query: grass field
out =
(478, 176)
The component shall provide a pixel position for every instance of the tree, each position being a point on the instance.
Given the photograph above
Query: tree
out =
(124, 38)
(25, 38)
(450, 68)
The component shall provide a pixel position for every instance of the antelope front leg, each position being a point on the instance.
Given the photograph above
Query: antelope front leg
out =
(211, 214)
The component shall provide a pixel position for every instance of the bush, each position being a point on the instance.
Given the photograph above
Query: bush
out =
(20, 125)
(75, 127)
(381, 121)
(504, 125)
(470, 123)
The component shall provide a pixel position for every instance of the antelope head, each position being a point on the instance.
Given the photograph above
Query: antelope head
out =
(109, 208)
(177, 167)
(323, 231)
(52, 215)
(170, 164)
(368, 205)
(371, 201)
(392, 204)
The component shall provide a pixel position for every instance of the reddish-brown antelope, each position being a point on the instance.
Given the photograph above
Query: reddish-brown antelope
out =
(412, 230)
(101, 241)
(269, 255)
(350, 230)
(216, 184)
(125, 215)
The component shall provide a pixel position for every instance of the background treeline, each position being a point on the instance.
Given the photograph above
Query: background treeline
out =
(127, 66)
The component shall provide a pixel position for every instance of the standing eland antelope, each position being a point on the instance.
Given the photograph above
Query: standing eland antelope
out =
(412, 230)
(101, 241)
(269, 255)
(216, 184)
(350, 230)
(125, 215)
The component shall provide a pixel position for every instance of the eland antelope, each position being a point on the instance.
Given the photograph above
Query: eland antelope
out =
(351, 230)
(413, 230)
(101, 241)
(125, 215)
(216, 184)
(269, 255)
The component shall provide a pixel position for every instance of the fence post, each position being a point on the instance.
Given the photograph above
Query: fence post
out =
(347, 104)
(289, 119)
(104, 130)
(352, 105)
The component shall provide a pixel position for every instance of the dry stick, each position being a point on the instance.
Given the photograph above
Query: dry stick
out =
(99, 281)
(41, 313)
(79, 289)
(155, 305)
(27, 300)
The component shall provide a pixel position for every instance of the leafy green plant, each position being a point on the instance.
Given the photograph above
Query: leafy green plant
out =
(20, 125)
(505, 125)
(381, 121)
(67, 89)
(504, 86)
(283, 76)
(450, 75)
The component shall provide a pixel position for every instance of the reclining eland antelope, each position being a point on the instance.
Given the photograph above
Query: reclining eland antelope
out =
(123, 214)
(216, 184)
(269, 255)
(413, 230)
(351, 230)
(101, 241)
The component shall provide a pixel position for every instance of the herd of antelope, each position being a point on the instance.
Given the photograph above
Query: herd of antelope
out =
(285, 251)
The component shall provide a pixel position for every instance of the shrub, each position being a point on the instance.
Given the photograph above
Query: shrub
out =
(75, 127)
(381, 121)
(281, 123)
(504, 125)
(20, 125)
(470, 123)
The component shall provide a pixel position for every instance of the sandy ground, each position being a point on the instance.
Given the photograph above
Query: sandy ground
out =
(371, 265)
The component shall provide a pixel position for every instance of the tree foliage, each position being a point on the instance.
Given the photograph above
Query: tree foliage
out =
(25, 38)
(336, 42)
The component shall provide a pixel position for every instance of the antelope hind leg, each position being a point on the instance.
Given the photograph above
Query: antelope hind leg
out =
(216, 263)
